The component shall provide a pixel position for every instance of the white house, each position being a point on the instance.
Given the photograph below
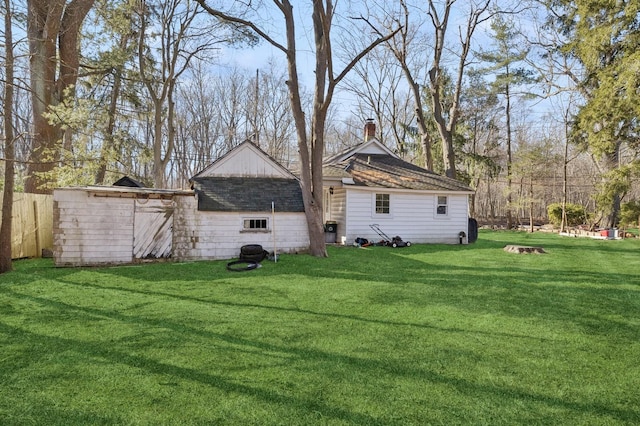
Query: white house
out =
(370, 185)
(244, 197)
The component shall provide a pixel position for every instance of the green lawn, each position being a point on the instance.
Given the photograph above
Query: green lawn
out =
(429, 334)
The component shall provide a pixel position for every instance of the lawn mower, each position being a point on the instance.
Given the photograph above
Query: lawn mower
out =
(391, 242)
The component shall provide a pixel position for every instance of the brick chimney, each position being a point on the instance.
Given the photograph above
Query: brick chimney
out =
(369, 129)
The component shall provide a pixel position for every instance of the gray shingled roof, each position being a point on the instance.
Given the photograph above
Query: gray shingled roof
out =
(386, 171)
(240, 194)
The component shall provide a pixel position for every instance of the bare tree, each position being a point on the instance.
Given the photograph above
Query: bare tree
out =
(198, 123)
(269, 114)
(445, 116)
(404, 46)
(180, 39)
(310, 144)
(9, 139)
(376, 81)
(446, 121)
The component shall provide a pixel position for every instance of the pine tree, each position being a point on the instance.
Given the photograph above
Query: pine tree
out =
(605, 37)
(505, 63)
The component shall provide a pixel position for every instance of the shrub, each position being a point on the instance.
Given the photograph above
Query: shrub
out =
(630, 213)
(576, 215)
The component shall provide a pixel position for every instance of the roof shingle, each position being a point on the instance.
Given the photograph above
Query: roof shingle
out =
(235, 194)
(386, 171)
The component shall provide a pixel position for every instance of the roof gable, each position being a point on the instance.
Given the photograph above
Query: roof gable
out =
(129, 182)
(371, 147)
(246, 160)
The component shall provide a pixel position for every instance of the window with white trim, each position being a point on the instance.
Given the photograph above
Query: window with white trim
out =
(383, 205)
(255, 224)
(442, 208)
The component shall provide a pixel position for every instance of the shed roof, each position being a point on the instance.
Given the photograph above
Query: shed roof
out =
(128, 181)
(244, 194)
(127, 191)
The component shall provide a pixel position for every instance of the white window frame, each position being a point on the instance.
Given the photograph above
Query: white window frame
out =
(440, 204)
(246, 224)
(374, 206)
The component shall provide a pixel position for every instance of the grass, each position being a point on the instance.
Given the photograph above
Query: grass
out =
(430, 334)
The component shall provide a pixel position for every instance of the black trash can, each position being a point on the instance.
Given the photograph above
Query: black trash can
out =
(330, 232)
(473, 230)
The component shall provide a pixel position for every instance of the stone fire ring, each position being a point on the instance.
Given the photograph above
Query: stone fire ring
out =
(524, 249)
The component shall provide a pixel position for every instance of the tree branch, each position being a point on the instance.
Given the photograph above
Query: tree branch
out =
(363, 53)
(243, 22)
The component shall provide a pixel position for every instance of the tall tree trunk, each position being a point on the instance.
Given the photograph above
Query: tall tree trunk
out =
(400, 52)
(509, 160)
(565, 173)
(322, 16)
(447, 125)
(609, 204)
(109, 141)
(9, 149)
(531, 204)
(53, 28)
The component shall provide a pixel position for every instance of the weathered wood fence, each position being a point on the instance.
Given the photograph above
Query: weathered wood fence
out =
(32, 228)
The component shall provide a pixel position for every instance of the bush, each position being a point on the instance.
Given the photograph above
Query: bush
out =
(576, 215)
(630, 213)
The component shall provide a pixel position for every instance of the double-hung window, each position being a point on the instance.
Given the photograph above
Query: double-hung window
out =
(383, 205)
(442, 208)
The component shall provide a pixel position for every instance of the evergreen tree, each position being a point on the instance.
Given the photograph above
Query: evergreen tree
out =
(505, 63)
(605, 37)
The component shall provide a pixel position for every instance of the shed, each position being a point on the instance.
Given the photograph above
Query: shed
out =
(97, 225)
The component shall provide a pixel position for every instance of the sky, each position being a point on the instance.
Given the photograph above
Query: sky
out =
(259, 56)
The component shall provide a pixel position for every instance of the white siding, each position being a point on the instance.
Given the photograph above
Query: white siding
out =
(246, 161)
(218, 235)
(91, 230)
(412, 216)
(337, 211)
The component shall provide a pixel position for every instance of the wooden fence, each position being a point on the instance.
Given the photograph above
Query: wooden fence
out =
(32, 227)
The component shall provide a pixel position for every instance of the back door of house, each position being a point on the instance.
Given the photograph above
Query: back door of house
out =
(153, 228)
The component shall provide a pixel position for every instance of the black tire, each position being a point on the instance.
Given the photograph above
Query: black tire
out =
(394, 245)
(259, 257)
(408, 243)
(241, 265)
(251, 249)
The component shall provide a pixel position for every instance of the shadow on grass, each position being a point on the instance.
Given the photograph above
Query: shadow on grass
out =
(423, 276)
(117, 356)
(489, 282)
